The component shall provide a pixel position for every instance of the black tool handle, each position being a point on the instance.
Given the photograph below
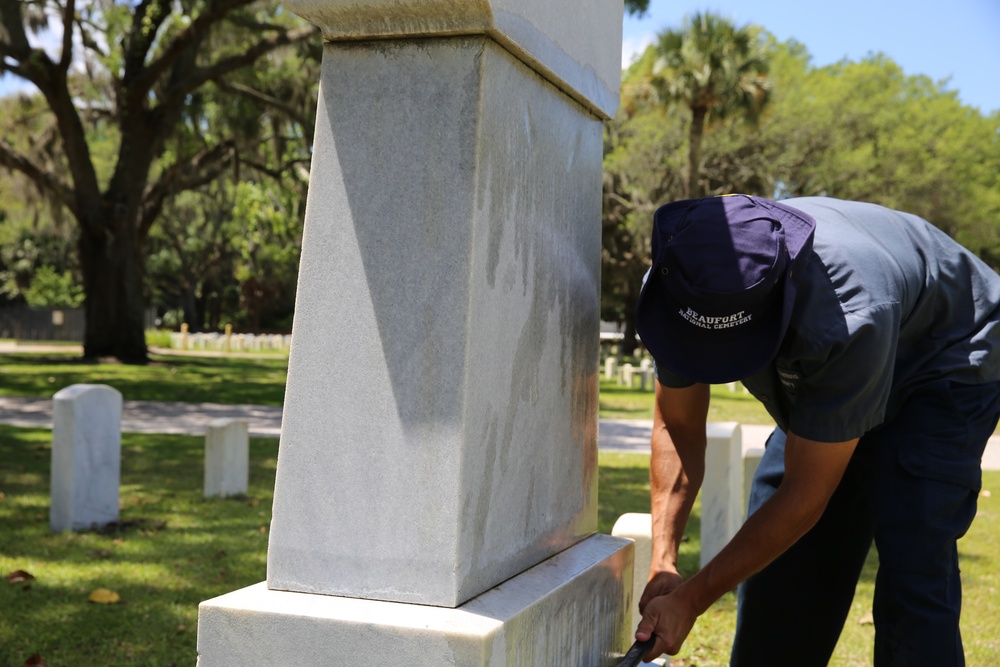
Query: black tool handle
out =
(634, 655)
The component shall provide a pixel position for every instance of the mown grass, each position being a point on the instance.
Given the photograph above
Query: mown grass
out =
(175, 549)
(168, 377)
(619, 402)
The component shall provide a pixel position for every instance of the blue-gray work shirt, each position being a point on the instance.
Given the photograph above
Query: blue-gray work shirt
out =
(888, 303)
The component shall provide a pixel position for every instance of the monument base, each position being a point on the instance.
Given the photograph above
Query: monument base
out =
(572, 610)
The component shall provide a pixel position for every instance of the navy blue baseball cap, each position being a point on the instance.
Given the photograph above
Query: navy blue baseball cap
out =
(716, 303)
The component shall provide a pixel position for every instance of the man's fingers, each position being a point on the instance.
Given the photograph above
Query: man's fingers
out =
(645, 630)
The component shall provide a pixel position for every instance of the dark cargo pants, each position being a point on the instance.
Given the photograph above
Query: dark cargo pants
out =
(912, 486)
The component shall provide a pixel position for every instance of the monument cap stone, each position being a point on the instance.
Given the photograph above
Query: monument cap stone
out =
(572, 49)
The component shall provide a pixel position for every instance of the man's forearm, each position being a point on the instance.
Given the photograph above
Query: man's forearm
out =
(675, 477)
(813, 471)
(676, 467)
(772, 529)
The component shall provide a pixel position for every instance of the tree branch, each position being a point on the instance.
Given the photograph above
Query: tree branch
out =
(147, 18)
(67, 41)
(200, 169)
(203, 74)
(263, 98)
(214, 13)
(13, 40)
(277, 173)
(45, 180)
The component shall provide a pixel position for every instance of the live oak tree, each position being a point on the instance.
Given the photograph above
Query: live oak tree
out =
(130, 70)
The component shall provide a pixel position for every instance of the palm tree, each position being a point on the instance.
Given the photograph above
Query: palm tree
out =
(713, 68)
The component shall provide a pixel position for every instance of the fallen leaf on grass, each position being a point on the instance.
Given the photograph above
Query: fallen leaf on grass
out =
(103, 553)
(2, 496)
(103, 596)
(17, 576)
(867, 619)
(35, 661)
(220, 554)
(986, 493)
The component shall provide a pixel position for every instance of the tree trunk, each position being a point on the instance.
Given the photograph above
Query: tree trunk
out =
(630, 297)
(189, 307)
(112, 269)
(694, 152)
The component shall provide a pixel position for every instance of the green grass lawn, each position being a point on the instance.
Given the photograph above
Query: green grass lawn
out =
(258, 380)
(174, 549)
(617, 402)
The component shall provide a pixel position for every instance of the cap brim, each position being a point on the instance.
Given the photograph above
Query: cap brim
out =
(693, 356)
(699, 358)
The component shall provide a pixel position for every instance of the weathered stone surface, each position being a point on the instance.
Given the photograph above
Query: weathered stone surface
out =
(567, 41)
(439, 433)
(86, 456)
(570, 610)
(638, 528)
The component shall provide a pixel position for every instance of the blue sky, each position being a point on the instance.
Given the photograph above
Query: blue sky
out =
(943, 39)
(957, 40)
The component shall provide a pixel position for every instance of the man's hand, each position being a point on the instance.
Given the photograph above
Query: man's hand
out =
(670, 617)
(659, 584)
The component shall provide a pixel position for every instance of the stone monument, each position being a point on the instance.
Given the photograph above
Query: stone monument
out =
(436, 490)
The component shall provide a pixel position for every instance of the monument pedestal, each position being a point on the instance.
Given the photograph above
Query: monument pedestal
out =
(570, 610)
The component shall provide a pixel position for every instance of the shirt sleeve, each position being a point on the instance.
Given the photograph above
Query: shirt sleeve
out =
(668, 379)
(842, 388)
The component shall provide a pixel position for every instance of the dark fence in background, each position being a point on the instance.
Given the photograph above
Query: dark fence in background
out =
(24, 323)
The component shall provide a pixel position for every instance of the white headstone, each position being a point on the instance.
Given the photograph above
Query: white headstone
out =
(86, 457)
(439, 435)
(722, 488)
(625, 375)
(227, 457)
(610, 368)
(638, 528)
